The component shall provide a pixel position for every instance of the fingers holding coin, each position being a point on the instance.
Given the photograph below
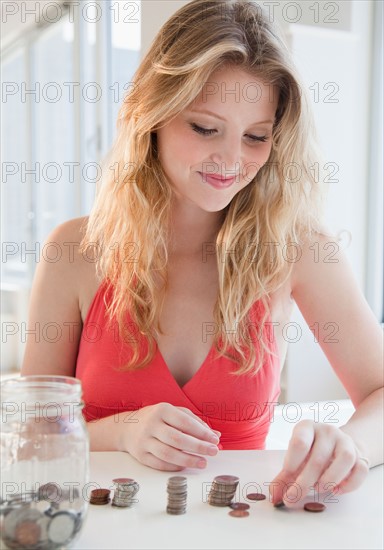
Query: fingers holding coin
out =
(319, 458)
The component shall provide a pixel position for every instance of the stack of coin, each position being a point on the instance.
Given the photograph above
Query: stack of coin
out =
(177, 495)
(126, 489)
(100, 496)
(223, 490)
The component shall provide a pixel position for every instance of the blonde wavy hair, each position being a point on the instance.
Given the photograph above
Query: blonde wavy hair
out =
(280, 206)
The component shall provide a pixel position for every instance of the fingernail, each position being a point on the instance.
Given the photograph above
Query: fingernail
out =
(212, 450)
(214, 438)
(201, 464)
(291, 496)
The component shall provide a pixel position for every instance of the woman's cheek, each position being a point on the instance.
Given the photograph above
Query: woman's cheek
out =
(254, 164)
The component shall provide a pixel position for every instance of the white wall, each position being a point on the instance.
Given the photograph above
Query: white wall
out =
(343, 58)
(154, 13)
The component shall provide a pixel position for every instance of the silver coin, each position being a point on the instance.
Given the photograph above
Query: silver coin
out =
(4, 507)
(21, 500)
(53, 508)
(177, 481)
(79, 521)
(43, 523)
(10, 522)
(27, 496)
(42, 506)
(123, 480)
(124, 493)
(61, 527)
(176, 512)
(50, 491)
(122, 502)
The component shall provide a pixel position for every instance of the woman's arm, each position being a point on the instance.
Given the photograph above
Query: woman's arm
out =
(320, 455)
(326, 292)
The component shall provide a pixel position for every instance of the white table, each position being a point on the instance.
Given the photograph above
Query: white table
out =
(354, 522)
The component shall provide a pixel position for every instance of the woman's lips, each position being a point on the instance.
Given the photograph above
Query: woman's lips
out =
(217, 181)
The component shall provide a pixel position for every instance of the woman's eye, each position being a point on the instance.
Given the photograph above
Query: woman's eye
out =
(209, 132)
(259, 138)
(201, 130)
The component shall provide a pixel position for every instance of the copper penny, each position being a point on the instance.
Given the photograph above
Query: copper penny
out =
(239, 513)
(256, 496)
(314, 507)
(239, 506)
(279, 504)
(100, 493)
(50, 491)
(27, 533)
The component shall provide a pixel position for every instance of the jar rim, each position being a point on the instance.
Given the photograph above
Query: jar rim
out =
(68, 384)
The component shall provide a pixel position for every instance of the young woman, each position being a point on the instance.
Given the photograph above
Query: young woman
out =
(173, 294)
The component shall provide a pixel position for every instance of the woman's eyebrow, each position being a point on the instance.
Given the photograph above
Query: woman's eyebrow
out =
(205, 111)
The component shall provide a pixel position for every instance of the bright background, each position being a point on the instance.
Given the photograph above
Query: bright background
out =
(79, 57)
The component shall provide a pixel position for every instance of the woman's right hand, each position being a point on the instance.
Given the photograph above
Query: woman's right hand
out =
(169, 438)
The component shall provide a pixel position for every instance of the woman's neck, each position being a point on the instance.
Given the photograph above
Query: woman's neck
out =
(193, 230)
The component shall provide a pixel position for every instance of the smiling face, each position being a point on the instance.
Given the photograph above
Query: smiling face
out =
(231, 142)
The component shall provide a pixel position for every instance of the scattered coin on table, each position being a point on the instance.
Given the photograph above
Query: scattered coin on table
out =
(256, 496)
(314, 507)
(239, 513)
(239, 506)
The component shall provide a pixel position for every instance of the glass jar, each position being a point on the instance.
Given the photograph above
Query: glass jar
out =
(44, 462)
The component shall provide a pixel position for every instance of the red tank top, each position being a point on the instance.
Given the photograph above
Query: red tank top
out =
(240, 407)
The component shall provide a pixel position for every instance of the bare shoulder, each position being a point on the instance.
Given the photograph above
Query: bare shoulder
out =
(76, 266)
(63, 286)
(321, 247)
(66, 238)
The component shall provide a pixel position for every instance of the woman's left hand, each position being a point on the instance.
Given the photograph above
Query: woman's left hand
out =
(320, 458)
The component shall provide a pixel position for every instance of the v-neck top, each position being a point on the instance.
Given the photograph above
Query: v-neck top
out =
(239, 406)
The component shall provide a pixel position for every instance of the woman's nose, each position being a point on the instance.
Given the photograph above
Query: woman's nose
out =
(228, 158)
